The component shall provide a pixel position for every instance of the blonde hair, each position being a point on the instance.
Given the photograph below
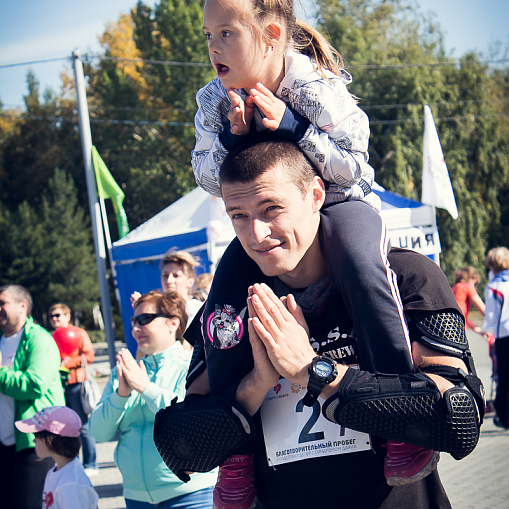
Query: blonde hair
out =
(497, 259)
(186, 261)
(299, 35)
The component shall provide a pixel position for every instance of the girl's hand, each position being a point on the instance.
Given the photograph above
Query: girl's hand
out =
(134, 373)
(272, 107)
(241, 113)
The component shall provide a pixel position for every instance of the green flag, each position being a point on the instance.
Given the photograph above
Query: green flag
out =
(108, 188)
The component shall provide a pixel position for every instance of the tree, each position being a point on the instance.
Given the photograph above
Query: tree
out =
(381, 42)
(72, 273)
(49, 250)
(150, 149)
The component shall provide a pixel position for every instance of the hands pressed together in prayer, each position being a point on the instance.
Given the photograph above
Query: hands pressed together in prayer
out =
(279, 338)
(132, 375)
(241, 112)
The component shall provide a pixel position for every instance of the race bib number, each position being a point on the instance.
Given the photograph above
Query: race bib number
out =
(294, 432)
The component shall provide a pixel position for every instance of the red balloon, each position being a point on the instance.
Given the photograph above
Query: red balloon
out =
(67, 340)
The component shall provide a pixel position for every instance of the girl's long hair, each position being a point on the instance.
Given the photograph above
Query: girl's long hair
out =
(303, 37)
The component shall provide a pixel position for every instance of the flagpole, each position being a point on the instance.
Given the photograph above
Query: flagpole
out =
(108, 246)
(95, 214)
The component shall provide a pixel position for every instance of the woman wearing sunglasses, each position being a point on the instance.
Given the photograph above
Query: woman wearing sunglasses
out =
(133, 395)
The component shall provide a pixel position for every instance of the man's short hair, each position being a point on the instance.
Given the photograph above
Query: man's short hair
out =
(186, 260)
(263, 152)
(59, 305)
(19, 293)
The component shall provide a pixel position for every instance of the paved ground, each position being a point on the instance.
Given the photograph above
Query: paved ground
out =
(479, 481)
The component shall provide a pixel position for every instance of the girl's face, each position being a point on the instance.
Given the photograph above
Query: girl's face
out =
(240, 58)
(157, 335)
(41, 449)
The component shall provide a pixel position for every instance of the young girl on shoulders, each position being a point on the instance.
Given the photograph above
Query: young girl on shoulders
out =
(57, 435)
(276, 73)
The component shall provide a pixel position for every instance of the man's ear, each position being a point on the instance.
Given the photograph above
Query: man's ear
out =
(318, 193)
(274, 33)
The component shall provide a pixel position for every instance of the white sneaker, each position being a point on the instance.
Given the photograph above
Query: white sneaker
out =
(91, 472)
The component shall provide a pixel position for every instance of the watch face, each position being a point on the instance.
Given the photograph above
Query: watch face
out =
(323, 369)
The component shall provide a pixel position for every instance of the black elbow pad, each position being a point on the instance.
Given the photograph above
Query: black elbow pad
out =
(407, 408)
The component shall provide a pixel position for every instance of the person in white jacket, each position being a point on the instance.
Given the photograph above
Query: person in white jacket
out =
(496, 321)
(133, 395)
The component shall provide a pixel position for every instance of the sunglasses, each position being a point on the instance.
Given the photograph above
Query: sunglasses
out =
(56, 315)
(145, 318)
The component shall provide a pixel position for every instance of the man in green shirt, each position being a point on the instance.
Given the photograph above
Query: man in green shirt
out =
(29, 382)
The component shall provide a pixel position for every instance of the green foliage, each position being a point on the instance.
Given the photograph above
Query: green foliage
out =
(369, 33)
(49, 250)
(142, 125)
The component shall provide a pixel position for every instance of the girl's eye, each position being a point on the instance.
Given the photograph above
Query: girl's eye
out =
(237, 216)
(208, 36)
(226, 33)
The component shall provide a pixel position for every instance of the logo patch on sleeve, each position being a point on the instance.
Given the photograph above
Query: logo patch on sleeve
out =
(224, 326)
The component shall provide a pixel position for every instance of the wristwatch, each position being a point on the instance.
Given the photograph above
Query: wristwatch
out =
(322, 372)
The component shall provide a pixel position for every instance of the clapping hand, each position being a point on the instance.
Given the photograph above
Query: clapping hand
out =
(131, 375)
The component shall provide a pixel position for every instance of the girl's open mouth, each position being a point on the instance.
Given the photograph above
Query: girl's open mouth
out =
(222, 70)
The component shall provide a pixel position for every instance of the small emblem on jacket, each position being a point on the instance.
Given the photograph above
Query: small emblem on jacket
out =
(225, 327)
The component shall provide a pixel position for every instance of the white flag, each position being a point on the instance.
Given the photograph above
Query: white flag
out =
(436, 184)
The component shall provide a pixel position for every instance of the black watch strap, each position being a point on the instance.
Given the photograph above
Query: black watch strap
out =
(314, 389)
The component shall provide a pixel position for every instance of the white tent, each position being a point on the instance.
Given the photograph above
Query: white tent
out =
(199, 224)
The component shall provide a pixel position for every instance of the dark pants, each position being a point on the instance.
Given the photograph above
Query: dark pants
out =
(28, 479)
(7, 460)
(502, 398)
(73, 401)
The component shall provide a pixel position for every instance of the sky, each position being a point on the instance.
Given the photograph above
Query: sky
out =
(33, 30)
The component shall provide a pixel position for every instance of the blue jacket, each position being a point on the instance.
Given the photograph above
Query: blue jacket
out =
(146, 477)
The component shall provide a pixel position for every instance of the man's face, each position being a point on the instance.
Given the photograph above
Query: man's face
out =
(277, 225)
(59, 318)
(12, 313)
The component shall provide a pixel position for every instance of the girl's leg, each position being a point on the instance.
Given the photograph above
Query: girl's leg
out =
(224, 327)
(355, 244)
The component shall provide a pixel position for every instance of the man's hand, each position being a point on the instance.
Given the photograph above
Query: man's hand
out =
(271, 106)
(283, 333)
(254, 387)
(134, 374)
(241, 113)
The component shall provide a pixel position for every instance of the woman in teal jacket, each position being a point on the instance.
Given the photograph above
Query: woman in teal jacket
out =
(133, 395)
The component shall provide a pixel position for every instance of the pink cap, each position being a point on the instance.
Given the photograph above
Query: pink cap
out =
(59, 420)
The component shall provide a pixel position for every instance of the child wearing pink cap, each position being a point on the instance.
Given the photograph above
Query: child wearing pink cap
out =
(57, 435)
